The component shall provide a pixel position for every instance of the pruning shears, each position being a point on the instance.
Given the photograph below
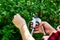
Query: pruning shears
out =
(35, 21)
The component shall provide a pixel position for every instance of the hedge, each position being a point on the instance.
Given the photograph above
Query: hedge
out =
(49, 11)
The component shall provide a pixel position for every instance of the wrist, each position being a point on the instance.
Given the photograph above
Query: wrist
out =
(50, 31)
(25, 33)
(21, 26)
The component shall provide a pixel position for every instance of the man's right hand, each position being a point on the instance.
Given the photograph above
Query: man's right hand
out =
(38, 29)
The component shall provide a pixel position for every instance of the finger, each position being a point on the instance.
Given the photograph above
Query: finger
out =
(37, 25)
(18, 15)
(41, 24)
(36, 28)
(31, 23)
(36, 32)
(16, 18)
(45, 37)
(31, 26)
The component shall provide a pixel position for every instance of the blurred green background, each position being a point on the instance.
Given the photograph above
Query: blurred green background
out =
(49, 11)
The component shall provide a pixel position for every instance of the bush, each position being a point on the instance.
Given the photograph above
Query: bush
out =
(49, 11)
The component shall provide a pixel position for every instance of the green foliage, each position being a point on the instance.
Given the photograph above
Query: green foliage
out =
(49, 11)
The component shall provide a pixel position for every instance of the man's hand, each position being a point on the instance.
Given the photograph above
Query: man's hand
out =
(18, 21)
(38, 29)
